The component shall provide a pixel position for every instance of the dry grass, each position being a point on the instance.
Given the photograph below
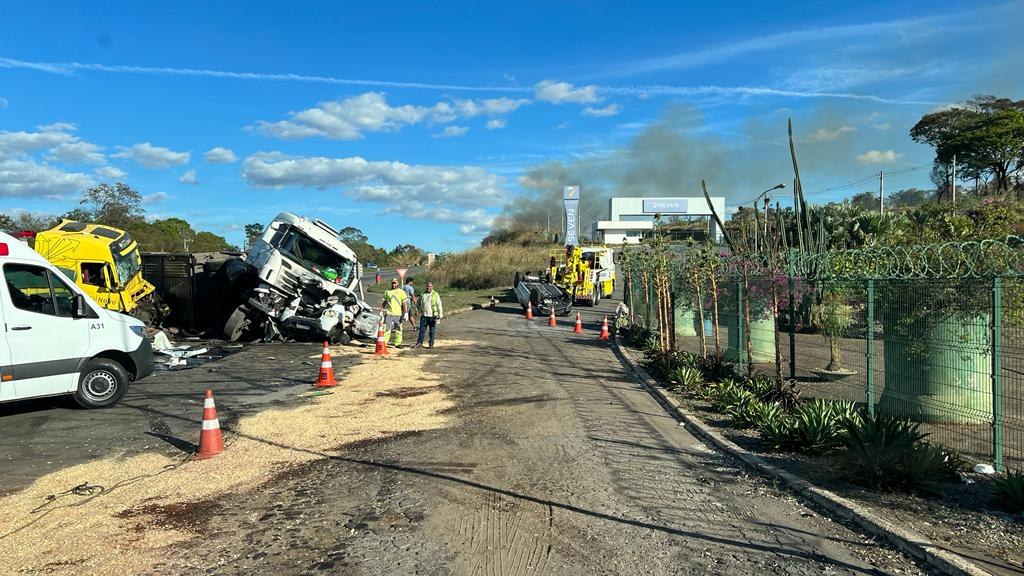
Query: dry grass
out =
(125, 526)
(488, 266)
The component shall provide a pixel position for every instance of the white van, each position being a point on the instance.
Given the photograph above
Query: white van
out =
(57, 340)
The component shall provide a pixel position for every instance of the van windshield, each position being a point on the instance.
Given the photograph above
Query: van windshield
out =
(127, 265)
(315, 257)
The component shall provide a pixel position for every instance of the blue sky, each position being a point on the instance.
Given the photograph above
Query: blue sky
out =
(418, 122)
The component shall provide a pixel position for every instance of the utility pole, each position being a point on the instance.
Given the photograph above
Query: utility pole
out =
(952, 182)
(881, 198)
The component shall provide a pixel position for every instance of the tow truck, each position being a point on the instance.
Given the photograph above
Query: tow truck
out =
(586, 273)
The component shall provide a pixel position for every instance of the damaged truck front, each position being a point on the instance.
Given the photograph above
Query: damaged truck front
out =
(299, 282)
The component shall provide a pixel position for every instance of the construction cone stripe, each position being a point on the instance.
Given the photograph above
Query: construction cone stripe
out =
(382, 346)
(211, 442)
(604, 330)
(326, 377)
(529, 310)
(579, 325)
(551, 319)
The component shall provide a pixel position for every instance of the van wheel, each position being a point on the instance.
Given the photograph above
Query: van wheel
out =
(103, 383)
(237, 324)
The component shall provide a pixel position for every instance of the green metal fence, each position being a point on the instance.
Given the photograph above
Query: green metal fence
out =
(932, 333)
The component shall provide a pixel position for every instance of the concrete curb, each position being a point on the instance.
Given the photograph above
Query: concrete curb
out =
(911, 542)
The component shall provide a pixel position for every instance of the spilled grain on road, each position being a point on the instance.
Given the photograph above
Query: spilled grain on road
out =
(127, 510)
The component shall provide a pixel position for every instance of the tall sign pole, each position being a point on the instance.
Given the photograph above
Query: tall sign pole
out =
(571, 198)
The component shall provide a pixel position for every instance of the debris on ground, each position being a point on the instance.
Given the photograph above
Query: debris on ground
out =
(169, 356)
(42, 525)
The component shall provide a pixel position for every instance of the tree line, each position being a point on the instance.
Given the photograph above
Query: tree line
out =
(120, 206)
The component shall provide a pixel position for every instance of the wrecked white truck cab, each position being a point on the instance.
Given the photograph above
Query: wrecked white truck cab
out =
(303, 284)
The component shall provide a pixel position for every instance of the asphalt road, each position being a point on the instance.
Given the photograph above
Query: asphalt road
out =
(556, 463)
(161, 413)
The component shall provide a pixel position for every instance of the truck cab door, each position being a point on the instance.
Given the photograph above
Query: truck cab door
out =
(46, 344)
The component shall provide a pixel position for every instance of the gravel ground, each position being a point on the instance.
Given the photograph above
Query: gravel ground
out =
(554, 462)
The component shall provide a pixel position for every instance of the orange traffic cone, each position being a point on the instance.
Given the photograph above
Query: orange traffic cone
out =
(326, 377)
(551, 319)
(211, 442)
(382, 346)
(529, 310)
(604, 330)
(579, 325)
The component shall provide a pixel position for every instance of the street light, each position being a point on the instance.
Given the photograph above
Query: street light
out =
(766, 201)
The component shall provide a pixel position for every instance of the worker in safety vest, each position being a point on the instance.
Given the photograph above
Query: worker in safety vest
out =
(394, 308)
(431, 311)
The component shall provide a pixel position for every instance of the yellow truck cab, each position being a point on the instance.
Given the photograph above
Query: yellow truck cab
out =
(103, 261)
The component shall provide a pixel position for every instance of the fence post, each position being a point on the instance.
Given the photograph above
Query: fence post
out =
(741, 342)
(792, 318)
(997, 370)
(870, 352)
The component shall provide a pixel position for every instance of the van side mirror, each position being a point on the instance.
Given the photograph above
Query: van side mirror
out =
(79, 309)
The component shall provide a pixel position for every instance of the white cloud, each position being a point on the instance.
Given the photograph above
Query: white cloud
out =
(26, 177)
(189, 178)
(220, 155)
(4, 103)
(110, 173)
(350, 118)
(874, 32)
(477, 218)
(826, 135)
(496, 123)
(154, 198)
(380, 181)
(77, 151)
(562, 92)
(883, 126)
(452, 132)
(879, 157)
(489, 107)
(153, 156)
(45, 137)
(609, 110)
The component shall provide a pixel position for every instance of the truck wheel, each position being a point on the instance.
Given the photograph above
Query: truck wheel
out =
(103, 383)
(237, 324)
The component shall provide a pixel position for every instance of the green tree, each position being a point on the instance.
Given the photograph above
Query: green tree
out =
(6, 223)
(985, 135)
(252, 232)
(79, 215)
(406, 255)
(117, 205)
(865, 200)
(909, 197)
(34, 222)
(352, 235)
(208, 242)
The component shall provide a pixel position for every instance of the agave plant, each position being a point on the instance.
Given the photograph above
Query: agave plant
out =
(1010, 492)
(889, 452)
(819, 425)
(687, 378)
(778, 432)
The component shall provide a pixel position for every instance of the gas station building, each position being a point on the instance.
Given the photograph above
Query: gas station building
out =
(630, 219)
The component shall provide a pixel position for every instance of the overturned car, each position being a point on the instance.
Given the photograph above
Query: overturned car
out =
(543, 294)
(298, 282)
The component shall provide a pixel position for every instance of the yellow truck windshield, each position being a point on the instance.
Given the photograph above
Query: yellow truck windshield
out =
(126, 263)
